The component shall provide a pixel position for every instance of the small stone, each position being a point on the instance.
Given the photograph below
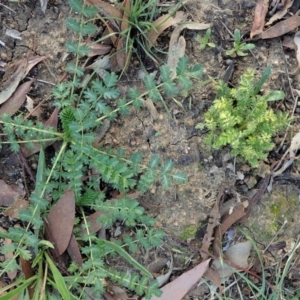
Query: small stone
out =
(240, 175)
(3, 56)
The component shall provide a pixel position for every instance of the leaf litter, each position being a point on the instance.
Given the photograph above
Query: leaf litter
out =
(242, 248)
(60, 222)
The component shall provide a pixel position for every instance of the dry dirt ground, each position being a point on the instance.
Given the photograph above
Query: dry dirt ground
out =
(183, 208)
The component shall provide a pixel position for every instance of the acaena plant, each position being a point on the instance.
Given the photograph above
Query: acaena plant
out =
(240, 118)
(83, 109)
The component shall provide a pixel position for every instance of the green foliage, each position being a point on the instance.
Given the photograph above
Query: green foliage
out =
(204, 41)
(82, 112)
(238, 46)
(240, 117)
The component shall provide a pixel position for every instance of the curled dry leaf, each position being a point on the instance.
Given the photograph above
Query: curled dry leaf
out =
(17, 99)
(177, 51)
(34, 112)
(162, 23)
(281, 13)
(190, 25)
(228, 219)
(260, 13)
(11, 81)
(163, 279)
(60, 222)
(281, 28)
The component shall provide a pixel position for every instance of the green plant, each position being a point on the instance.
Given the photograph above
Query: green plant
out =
(204, 41)
(240, 117)
(131, 34)
(238, 46)
(83, 108)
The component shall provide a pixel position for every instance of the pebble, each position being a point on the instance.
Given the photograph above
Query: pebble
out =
(3, 56)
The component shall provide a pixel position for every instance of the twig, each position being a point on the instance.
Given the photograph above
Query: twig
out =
(42, 81)
(227, 29)
(7, 8)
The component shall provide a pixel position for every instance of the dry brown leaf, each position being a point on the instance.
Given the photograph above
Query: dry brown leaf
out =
(17, 99)
(13, 81)
(288, 42)
(52, 122)
(213, 222)
(162, 23)
(60, 222)
(152, 109)
(74, 251)
(98, 49)
(18, 205)
(28, 273)
(7, 194)
(260, 13)
(228, 219)
(281, 13)
(94, 226)
(180, 286)
(108, 11)
(121, 54)
(32, 61)
(127, 8)
(119, 293)
(281, 28)
(24, 66)
(190, 25)
(214, 277)
(157, 265)
(177, 51)
(231, 218)
(36, 112)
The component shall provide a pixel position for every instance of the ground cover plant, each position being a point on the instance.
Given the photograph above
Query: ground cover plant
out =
(204, 41)
(79, 180)
(67, 184)
(239, 47)
(240, 118)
